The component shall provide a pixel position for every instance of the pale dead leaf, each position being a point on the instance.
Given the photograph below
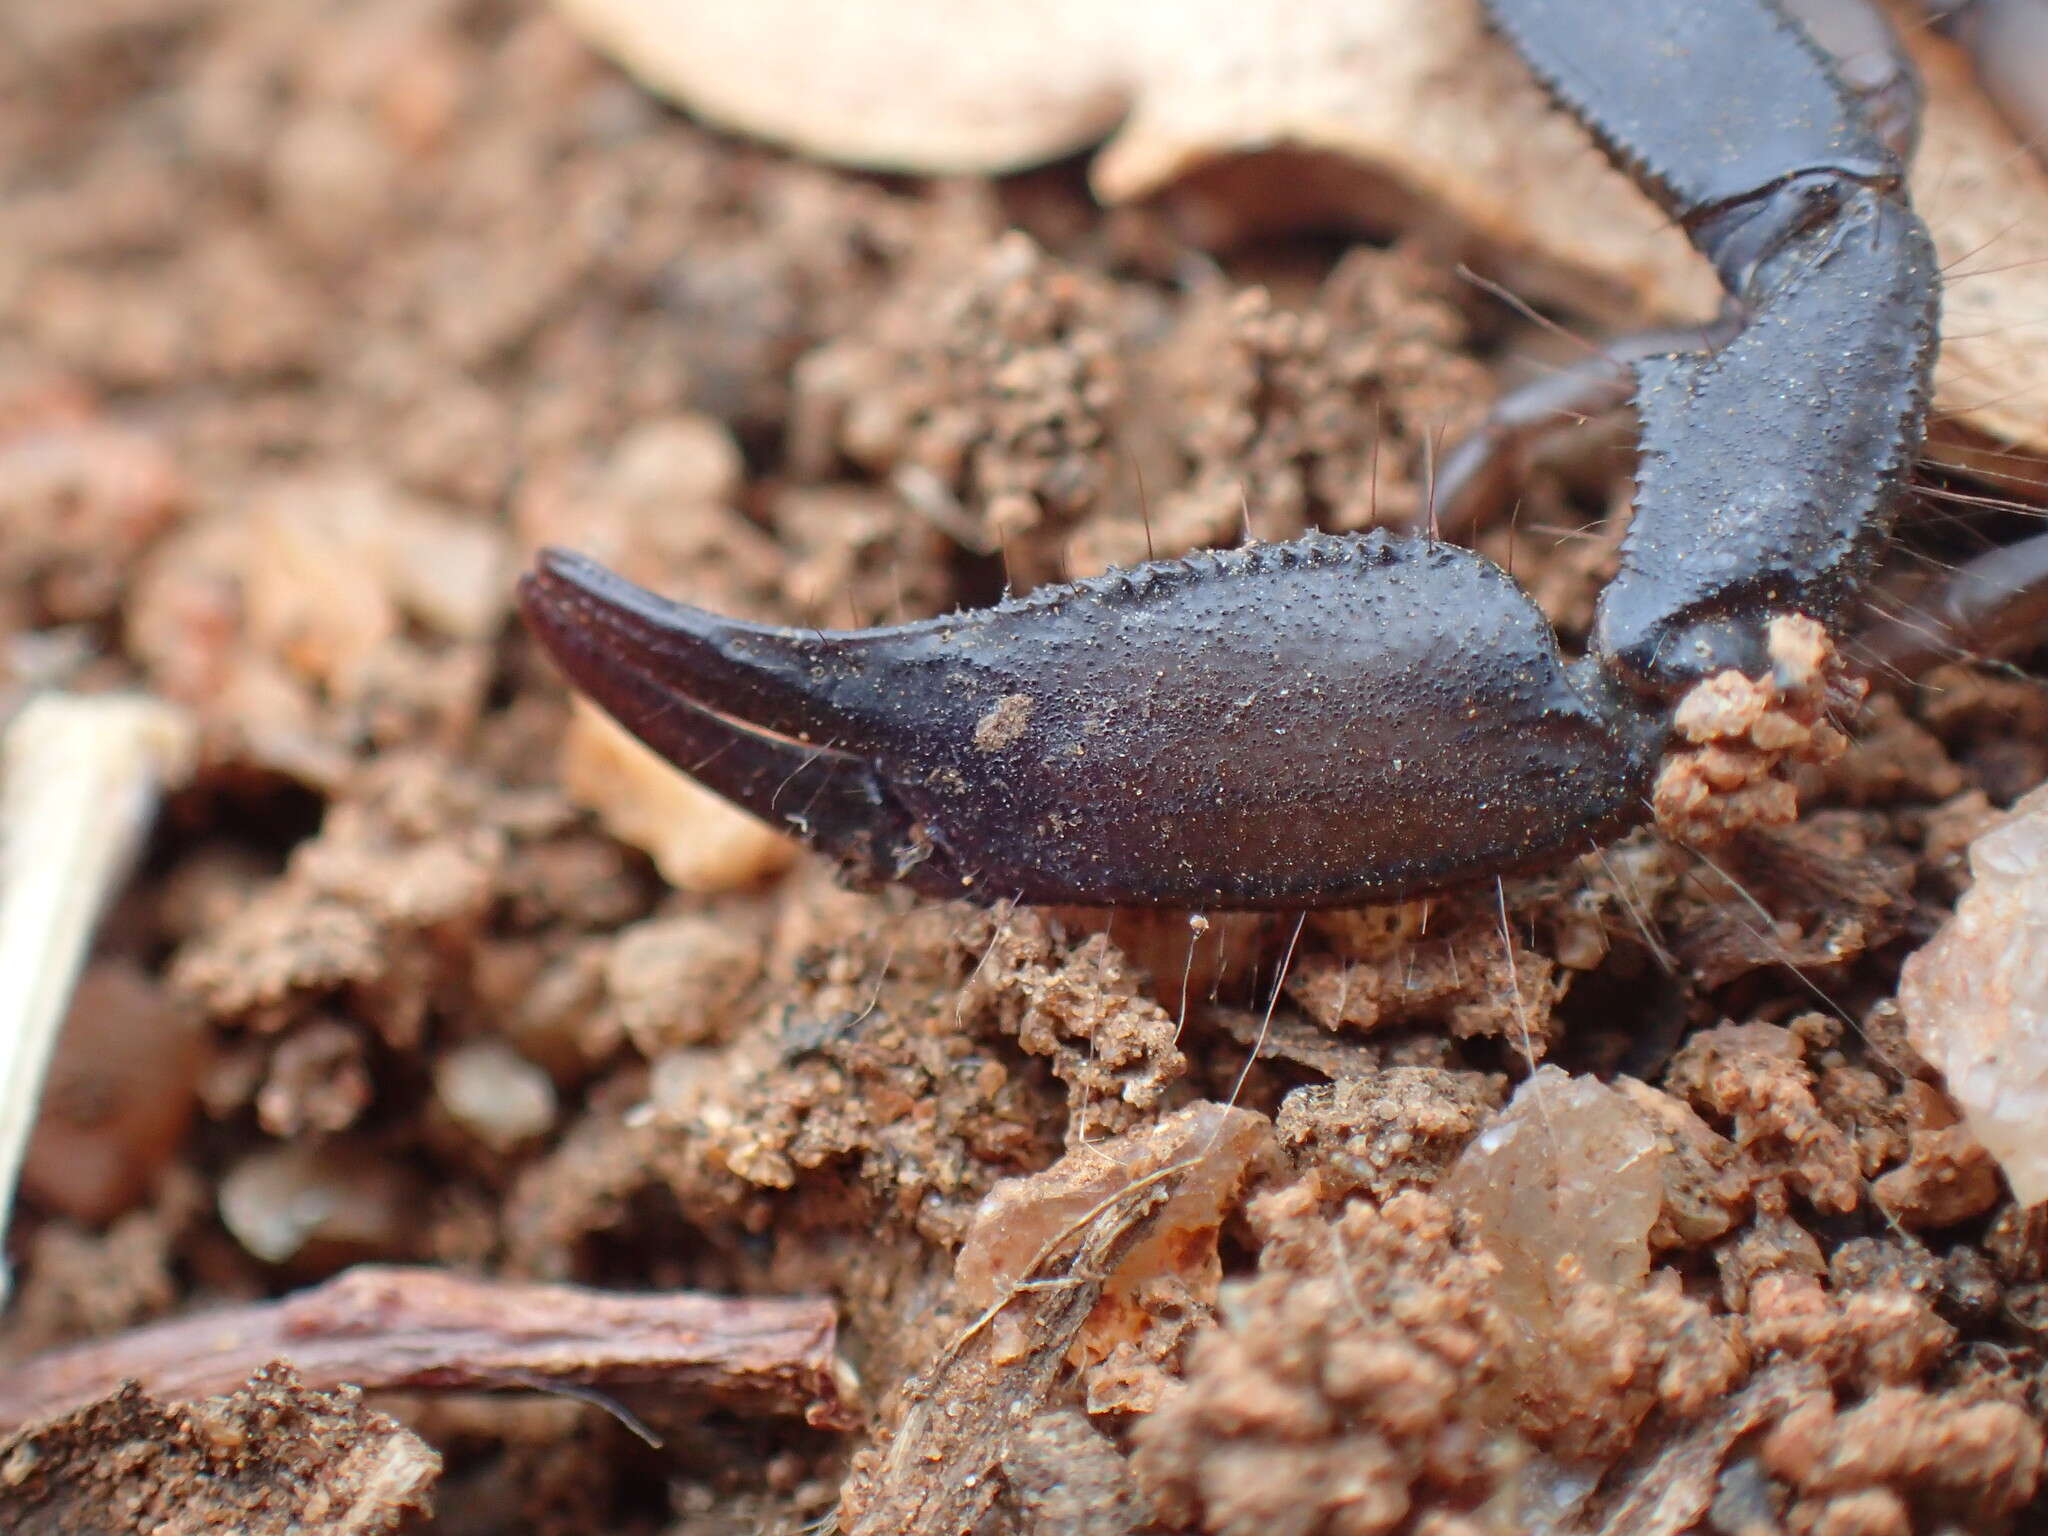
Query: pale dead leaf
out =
(1417, 92)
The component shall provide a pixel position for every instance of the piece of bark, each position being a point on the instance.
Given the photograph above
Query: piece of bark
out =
(272, 1459)
(384, 1328)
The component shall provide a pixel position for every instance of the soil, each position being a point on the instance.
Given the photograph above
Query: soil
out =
(318, 318)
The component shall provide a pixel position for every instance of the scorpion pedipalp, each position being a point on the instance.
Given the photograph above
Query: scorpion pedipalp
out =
(1333, 720)
(1341, 719)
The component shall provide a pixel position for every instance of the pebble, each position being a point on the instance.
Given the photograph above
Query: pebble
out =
(495, 1094)
(1571, 1169)
(282, 1200)
(698, 841)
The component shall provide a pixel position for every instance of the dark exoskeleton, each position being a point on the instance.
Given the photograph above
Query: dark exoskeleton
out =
(1346, 719)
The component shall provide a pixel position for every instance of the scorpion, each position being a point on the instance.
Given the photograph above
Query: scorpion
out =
(1347, 719)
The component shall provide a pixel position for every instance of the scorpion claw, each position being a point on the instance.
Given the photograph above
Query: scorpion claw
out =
(1330, 721)
(610, 634)
(1343, 720)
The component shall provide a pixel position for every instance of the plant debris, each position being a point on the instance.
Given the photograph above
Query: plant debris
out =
(1108, 1236)
(380, 1329)
(1438, 128)
(79, 783)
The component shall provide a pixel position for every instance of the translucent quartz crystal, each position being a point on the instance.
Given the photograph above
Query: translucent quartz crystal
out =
(1564, 1185)
(1976, 998)
(494, 1093)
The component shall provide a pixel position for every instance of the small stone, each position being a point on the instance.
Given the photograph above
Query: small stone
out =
(313, 592)
(333, 566)
(698, 841)
(495, 1094)
(1569, 1171)
(1976, 998)
(278, 1202)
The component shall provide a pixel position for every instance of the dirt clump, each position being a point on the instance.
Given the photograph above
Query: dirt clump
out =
(1747, 733)
(1342, 1388)
(272, 1457)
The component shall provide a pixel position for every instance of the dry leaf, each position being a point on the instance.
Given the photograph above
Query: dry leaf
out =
(1442, 117)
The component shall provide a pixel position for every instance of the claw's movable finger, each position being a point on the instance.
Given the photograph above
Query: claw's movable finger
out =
(608, 634)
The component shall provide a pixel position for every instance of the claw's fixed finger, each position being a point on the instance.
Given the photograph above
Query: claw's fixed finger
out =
(1325, 722)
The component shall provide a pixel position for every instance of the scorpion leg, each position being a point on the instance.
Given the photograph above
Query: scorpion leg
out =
(1480, 472)
(2007, 41)
(1477, 477)
(1770, 469)
(1995, 603)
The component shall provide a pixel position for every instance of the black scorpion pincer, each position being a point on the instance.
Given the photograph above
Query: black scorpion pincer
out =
(1348, 719)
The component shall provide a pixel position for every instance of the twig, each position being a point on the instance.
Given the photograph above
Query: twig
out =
(383, 1328)
(79, 782)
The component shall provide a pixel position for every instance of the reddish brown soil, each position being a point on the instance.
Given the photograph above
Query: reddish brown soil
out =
(316, 318)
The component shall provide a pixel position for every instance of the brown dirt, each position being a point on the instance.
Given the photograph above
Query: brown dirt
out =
(316, 318)
(272, 1460)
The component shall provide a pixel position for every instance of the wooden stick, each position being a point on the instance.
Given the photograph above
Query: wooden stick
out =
(79, 782)
(380, 1327)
